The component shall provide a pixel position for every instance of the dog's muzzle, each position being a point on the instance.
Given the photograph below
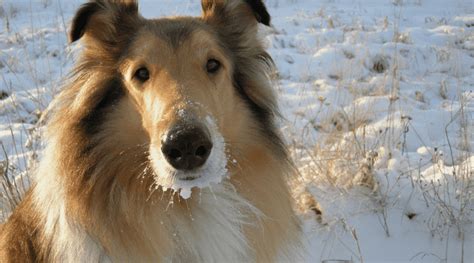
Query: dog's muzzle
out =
(186, 147)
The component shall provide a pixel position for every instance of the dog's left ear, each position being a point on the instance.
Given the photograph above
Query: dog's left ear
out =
(241, 12)
(238, 10)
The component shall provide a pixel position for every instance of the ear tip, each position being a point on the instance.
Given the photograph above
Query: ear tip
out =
(74, 36)
(260, 11)
(80, 20)
(265, 18)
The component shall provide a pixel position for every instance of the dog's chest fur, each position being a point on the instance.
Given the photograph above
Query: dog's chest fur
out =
(211, 231)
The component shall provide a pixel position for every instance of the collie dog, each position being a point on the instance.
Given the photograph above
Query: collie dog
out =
(162, 145)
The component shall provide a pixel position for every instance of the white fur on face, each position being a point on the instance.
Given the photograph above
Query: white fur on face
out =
(212, 172)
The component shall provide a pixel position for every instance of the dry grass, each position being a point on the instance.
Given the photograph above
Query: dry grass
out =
(28, 82)
(348, 154)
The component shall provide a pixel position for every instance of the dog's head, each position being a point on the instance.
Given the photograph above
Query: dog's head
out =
(198, 86)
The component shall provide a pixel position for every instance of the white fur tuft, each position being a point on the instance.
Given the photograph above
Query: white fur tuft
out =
(70, 242)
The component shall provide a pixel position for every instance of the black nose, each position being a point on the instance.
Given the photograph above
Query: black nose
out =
(186, 147)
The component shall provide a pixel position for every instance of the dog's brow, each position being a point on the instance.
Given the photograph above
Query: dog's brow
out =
(174, 31)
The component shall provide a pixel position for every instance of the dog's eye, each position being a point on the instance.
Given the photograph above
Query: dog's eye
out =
(213, 66)
(142, 74)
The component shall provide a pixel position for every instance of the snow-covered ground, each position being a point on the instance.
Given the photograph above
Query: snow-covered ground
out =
(378, 105)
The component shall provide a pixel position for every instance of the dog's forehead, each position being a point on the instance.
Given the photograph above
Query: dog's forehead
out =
(177, 30)
(167, 42)
(163, 40)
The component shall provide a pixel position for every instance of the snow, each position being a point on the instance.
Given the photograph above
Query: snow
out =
(377, 99)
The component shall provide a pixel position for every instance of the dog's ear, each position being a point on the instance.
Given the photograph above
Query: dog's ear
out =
(104, 20)
(237, 10)
(242, 12)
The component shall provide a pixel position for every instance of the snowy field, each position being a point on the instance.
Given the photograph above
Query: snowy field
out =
(378, 105)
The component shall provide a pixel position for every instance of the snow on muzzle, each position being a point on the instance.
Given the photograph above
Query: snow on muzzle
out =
(191, 154)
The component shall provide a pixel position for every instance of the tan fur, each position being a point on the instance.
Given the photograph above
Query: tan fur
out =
(100, 190)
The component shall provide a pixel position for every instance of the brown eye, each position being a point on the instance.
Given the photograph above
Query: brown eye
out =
(213, 66)
(142, 74)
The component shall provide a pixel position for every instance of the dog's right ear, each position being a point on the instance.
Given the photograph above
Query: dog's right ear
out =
(105, 21)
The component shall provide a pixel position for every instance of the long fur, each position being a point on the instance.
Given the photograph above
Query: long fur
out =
(95, 197)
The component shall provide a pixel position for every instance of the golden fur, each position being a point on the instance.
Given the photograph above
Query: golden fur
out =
(95, 196)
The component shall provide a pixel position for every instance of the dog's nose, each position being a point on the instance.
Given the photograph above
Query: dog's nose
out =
(186, 147)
